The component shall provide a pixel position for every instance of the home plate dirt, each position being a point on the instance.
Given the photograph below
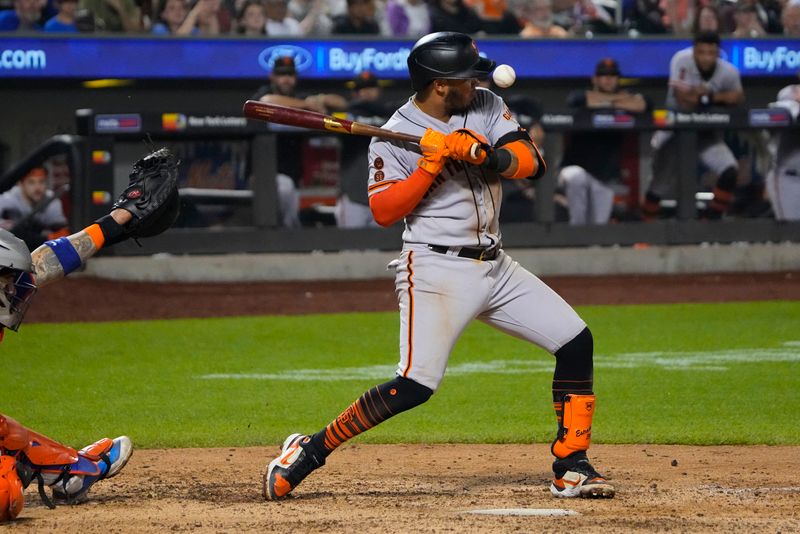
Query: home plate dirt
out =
(427, 488)
(544, 512)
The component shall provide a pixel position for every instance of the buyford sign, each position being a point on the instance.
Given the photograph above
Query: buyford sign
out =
(771, 59)
(147, 57)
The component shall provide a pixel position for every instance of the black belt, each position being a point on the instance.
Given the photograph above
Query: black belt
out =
(474, 253)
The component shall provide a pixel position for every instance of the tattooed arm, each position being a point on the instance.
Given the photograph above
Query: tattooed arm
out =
(56, 259)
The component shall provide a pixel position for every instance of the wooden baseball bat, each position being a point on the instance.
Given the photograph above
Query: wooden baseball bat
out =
(262, 111)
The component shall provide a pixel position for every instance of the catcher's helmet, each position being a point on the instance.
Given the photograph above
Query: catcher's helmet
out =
(16, 282)
(446, 55)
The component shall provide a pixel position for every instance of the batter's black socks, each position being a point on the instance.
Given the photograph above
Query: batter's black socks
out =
(574, 370)
(372, 408)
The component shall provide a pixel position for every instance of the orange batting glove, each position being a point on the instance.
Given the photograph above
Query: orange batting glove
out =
(434, 151)
(465, 145)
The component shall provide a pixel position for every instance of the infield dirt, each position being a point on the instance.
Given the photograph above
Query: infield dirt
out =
(431, 488)
(422, 488)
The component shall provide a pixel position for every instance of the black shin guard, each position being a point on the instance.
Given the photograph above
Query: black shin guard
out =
(372, 408)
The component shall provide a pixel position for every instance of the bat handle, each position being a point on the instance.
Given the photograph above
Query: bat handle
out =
(475, 150)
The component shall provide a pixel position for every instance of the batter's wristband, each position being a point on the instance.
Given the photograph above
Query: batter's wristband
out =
(113, 232)
(497, 160)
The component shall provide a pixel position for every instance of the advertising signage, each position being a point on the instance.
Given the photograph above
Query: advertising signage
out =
(174, 58)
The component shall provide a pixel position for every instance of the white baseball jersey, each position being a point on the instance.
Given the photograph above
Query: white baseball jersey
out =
(783, 178)
(683, 72)
(440, 292)
(463, 205)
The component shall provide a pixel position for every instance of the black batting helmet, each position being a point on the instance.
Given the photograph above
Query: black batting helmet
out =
(446, 55)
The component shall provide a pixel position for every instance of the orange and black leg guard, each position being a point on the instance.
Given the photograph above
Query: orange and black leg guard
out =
(573, 399)
(372, 408)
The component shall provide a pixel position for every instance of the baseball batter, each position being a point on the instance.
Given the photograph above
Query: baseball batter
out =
(698, 79)
(147, 207)
(452, 268)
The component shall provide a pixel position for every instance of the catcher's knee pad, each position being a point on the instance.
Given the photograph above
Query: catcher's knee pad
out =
(13, 436)
(43, 451)
(11, 499)
(575, 431)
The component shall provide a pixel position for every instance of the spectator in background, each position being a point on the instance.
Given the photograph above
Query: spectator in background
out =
(282, 90)
(24, 17)
(698, 79)
(679, 15)
(279, 23)
(729, 11)
(406, 18)
(791, 19)
(590, 167)
(359, 19)
(49, 10)
(649, 17)
(772, 15)
(252, 22)
(747, 22)
(115, 15)
(707, 20)
(170, 18)
(64, 21)
(537, 17)
(205, 16)
(453, 16)
(783, 178)
(590, 17)
(313, 16)
(366, 106)
(202, 19)
(30, 210)
(495, 16)
(59, 177)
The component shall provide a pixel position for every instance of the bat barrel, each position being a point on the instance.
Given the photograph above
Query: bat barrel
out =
(254, 109)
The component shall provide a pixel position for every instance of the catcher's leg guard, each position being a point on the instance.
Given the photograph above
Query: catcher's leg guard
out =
(69, 472)
(575, 430)
(102, 459)
(11, 499)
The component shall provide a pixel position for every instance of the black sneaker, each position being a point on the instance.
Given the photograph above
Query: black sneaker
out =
(297, 459)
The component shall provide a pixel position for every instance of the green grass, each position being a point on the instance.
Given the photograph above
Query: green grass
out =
(735, 380)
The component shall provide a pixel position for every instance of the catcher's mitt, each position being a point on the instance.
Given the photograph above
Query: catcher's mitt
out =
(152, 194)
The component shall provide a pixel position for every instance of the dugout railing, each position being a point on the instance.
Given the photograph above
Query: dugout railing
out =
(104, 132)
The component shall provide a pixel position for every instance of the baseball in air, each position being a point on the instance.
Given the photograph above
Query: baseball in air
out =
(504, 76)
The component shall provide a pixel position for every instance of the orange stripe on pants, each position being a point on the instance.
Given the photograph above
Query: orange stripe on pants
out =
(410, 314)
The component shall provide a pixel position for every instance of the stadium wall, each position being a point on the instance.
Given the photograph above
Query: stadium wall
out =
(362, 265)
